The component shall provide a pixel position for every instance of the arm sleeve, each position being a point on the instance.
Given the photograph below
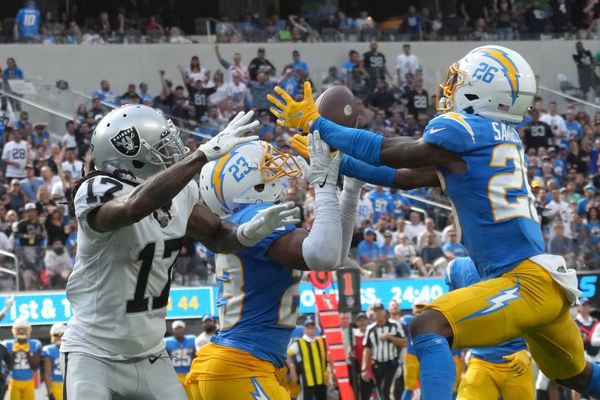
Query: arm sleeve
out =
(322, 247)
(450, 131)
(595, 339)
(348, 211)
(357, 143)
(383, 176)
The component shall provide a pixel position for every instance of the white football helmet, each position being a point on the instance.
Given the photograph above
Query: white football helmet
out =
(491, 81)
(137, 142)
(21, 329)
(253, 172)
(56, 332)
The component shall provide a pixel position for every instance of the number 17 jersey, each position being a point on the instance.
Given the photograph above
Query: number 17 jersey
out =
(492, 200)
(120, 285)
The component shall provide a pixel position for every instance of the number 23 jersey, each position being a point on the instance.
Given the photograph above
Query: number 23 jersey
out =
(119, 287)
(492, 200)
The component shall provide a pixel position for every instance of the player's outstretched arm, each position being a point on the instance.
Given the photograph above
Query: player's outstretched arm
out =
(158, 191)
(320, 249)
(404, 178)
(221, 236)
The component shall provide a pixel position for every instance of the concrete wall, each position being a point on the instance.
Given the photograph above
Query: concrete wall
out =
(84, 66)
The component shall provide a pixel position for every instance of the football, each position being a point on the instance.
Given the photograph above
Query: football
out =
(337, 105)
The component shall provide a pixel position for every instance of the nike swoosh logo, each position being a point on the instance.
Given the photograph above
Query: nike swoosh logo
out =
(322, 185)
(432, 130)
(153, 359)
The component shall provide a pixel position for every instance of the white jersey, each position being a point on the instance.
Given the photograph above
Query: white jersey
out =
(14, 151)
(119, 287)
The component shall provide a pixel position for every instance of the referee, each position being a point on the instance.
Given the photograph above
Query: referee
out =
(382, 344)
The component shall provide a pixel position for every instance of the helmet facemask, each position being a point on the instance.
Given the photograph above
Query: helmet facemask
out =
(170, 149)
(454, 79)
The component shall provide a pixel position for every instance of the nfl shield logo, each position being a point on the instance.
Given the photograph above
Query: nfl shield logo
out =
(127, 142)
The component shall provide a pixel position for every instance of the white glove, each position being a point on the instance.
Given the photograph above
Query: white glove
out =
(9, 302)
(230, 137)
(265, 222)
(324, 168)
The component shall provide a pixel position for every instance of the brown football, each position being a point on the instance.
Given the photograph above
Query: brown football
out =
(337, 105)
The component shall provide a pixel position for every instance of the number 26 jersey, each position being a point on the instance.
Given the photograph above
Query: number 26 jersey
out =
(120, 285)
(492, 200)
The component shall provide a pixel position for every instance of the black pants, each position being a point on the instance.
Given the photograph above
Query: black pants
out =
(384, 377)
(366, 388)
(317, 392)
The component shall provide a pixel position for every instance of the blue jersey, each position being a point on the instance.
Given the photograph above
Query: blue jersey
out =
(461, 272)
(257, 298)
(382, 204)
(397, 202)
(492, 199)
(181, 352)
(28, 22)
(52, 352)
(106, 97)
(405, 322)
(21, 369)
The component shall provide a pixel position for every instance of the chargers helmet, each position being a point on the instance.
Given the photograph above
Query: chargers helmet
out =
(136, 141)
(21, 329)
(253, 172)
(492, 81)
(56, 332)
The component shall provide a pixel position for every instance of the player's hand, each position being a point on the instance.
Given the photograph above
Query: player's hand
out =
(518, 362)
(265, 222)
(365, 376)
(231, 136)
(9, 302)
(299, 144)
(323, 170)
(294, 114)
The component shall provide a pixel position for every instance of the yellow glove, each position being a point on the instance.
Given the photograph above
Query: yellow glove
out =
(519, 361)
(299, 144)
(294, 114)
(21, 347)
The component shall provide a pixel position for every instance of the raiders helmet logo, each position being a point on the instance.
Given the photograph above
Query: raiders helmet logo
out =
(127, 142)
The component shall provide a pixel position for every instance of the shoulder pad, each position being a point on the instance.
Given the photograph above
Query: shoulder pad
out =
(451, 131)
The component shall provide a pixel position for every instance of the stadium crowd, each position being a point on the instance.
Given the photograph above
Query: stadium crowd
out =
(395, 236)
(451, 20)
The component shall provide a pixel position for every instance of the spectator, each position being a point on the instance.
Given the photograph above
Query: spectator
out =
(406, 63)
(58, 265)
(556, 123)
(44, 203)
(382, 344)
(401, 204)
(585, 69)
(349, 66)
(558, 210)
(288, 81)
(365, 208)
(298, 63)
(383, 205)
(415, 227)
(429, 227)
(387, 251)
(194, 72)
(175, 36)
(333, 78)
(153, 26)
(16, 197)
(31, 183)
(68, 139)
(561, 245)
(30, 234)
(375, 63)
(364, 24)
(406, 257)
(15, 155)
(313, 368)
(27, 23)
(198, 93)
(369, 254)
(259, 89)
(577, 159)
(103, 27)
(481, 31)
(237, 68)
(144, 95)
(260, 64)
(431, 254)
(504, 18)
(592, 226)
(573, 127)
(104, 94)
(587, 324)
(537, 133)
(414, 22)
(71, 164)
(453, 249)
(12, 71)
(130, 96)
(418, 99)
(209, 329)
(562, 16)
(382, 98)
(238, 91)
(536, 20)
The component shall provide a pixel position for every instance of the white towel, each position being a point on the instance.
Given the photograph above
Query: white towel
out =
(565, 277)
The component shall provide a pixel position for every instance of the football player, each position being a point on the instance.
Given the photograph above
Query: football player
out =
(25, 353)
(180, 347)
(258, 288)
(51, 359)
(493, 372)
(472, 152)
(133, 211)
(411, 364)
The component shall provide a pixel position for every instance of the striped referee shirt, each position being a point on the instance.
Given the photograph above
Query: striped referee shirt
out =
(383, 350)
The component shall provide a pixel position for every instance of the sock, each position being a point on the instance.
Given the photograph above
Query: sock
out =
(407, 394)
(357, 143)
(454, 395)
(438, 372)
(593, 387)
(383, 176)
